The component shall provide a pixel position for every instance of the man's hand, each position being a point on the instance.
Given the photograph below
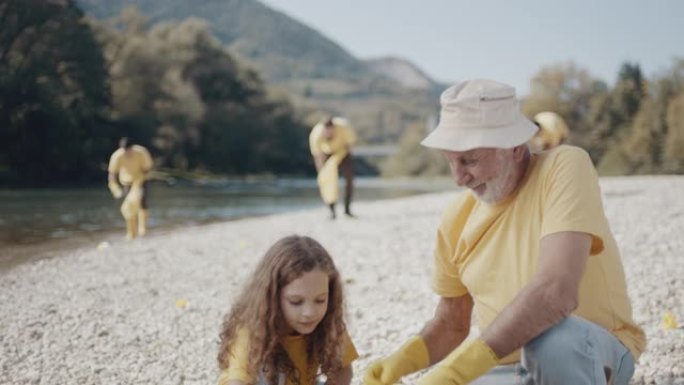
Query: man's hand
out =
(468, 362)
(115, 189)
(411, 357)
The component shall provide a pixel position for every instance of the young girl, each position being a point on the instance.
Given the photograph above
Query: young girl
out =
(287, 326)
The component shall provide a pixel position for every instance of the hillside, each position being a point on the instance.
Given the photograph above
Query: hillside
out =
(403, 72)
(316, 73)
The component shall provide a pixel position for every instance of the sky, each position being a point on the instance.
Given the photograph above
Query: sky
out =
(507, 40)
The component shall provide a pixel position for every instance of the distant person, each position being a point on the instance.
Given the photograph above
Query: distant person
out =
(527, 248)
(287, 326)
(330, 142)
(129, 167)
(552, 131)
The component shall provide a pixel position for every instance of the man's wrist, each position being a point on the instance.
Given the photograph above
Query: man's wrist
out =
(469, 361)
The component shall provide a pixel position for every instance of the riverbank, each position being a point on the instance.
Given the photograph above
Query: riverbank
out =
(113, 315)
(37, 220)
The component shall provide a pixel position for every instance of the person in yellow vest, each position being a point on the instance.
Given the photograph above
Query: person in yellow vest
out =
(128, 170)
(552, 131)
(330, 142)
(288, 326)
(527, 248)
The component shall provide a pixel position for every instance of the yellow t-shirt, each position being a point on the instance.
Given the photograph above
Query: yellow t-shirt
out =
(491, 251)
(130, 168)
(295, 346)
(343, 138)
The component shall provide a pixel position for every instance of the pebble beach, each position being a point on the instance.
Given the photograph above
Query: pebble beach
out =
(149, 311)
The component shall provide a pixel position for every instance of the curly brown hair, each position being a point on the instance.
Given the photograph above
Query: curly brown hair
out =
(258, 310)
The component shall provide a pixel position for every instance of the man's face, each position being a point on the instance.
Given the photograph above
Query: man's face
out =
(488, 172)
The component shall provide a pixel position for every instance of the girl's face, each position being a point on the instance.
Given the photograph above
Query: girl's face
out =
(304, 301)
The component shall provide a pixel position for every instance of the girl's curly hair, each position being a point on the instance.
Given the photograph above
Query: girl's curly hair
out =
(257, 309)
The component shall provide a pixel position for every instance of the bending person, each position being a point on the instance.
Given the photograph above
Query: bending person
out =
(330, 142)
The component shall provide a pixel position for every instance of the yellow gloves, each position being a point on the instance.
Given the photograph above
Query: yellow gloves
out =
(411, 357)
(468, 362)
(116, 190)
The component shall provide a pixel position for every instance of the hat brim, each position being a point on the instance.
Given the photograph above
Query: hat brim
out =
(469, 138)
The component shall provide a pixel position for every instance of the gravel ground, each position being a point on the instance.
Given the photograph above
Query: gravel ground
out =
(112, 316)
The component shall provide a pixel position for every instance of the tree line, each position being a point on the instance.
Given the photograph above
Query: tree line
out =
(70, 86)
(635, 126)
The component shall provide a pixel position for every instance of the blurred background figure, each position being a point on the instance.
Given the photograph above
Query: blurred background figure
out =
(330, 142)
(128, 167)
(552, 131)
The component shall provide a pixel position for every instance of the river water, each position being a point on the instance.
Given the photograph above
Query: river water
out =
(36, 217)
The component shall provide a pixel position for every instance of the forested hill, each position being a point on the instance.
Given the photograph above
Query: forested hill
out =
(71, 86)
(315, 73)
(276, 45)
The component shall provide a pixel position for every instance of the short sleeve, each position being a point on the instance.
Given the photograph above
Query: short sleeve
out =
(239, 360)
(446, 280)
(114, 162)
(315, 140)
(572, 197)
(350, 353)
(446, 276)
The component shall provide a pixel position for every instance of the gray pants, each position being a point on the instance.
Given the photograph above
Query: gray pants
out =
(574, 352)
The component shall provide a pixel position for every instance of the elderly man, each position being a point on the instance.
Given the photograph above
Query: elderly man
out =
(330, 143)
(129, 166)
(527, 247)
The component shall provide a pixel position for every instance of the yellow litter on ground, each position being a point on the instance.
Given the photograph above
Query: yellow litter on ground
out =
(181, 303)
(669, 321)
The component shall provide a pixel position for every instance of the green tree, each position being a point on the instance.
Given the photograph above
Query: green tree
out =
(615, 113)
(674, 145)
(53, 94)
(571, 92)
(664, 87)
(636, 151)
(412, 159)
(198, 107)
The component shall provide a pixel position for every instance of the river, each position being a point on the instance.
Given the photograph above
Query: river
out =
(36, 219)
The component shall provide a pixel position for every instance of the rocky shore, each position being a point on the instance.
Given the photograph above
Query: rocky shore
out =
(149, 311)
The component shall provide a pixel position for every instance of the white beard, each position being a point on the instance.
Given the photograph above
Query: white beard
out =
(499, 187)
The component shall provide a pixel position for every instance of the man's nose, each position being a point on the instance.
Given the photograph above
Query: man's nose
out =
(462, 177)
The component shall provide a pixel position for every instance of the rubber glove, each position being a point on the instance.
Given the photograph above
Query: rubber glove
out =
(411, 357)
(468, 362)
(115, 189)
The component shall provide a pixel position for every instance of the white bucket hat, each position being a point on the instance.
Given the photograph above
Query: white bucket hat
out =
(480, 113)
